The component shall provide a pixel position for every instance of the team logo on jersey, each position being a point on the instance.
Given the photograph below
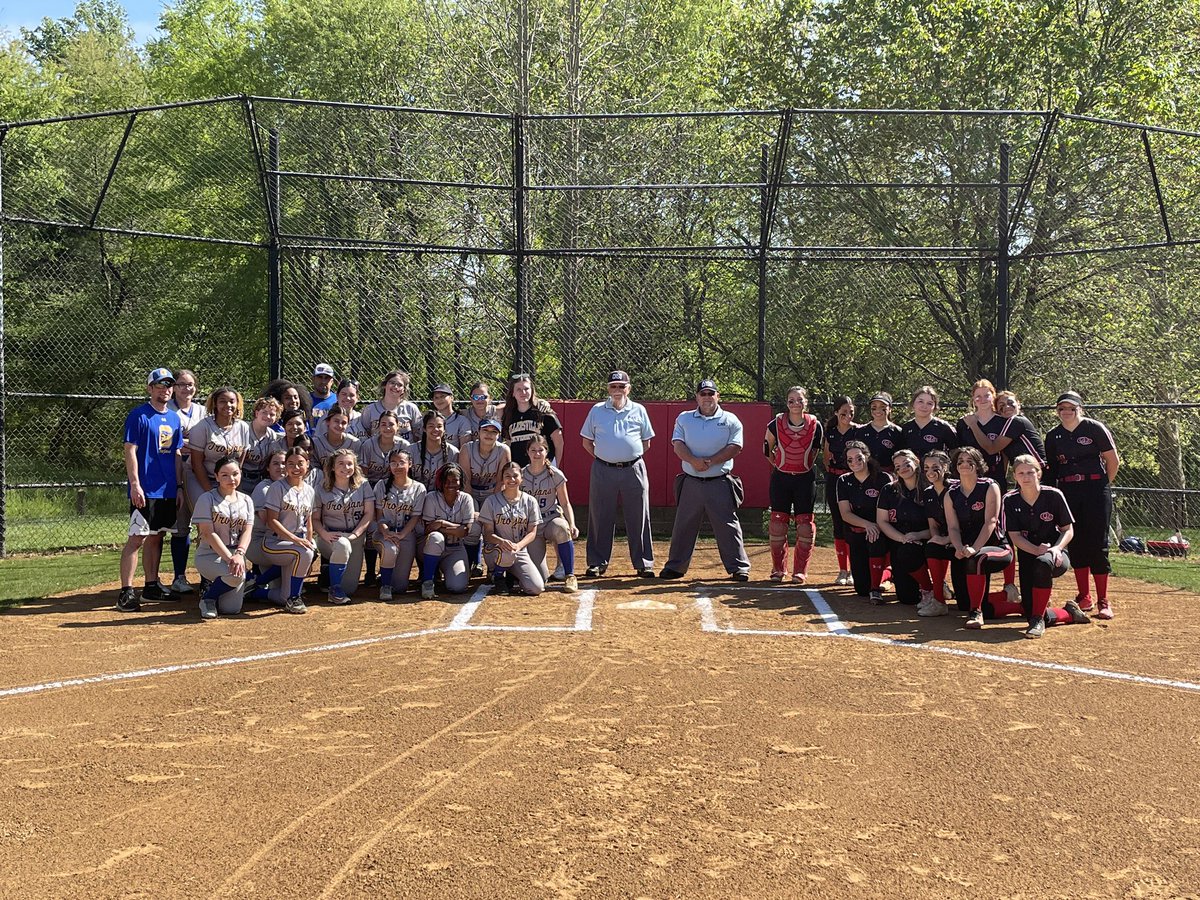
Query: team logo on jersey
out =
(887, 443)
(931, 438)
(891, 515)
(872, 492)
(1047, 517)
(1083, 440)
(164, 437)
(978, 505)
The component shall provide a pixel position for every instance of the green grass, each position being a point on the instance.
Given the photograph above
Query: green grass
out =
(1179, 573)
(33, 577)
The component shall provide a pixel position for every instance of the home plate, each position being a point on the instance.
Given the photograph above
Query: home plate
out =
(646, 604)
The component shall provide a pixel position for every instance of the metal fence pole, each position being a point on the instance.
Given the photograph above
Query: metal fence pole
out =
(3, 383)
(522, 357)
(1002, 259)
(760, 386)
(274, 264)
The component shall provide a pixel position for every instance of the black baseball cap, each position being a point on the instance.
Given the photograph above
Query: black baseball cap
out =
(618, 376)
(442, 389)
(706, 385)
(1069, 397)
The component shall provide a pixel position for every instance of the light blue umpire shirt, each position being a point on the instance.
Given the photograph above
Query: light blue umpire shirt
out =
(706, 436)
(617, 433)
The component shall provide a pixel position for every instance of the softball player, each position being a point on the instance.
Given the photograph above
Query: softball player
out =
(342, 513)
(972, 518)
(524, 416)
(925, 431)
(838, 430)
(441, 398)
(858, 493)
(1083, 462)
(1018, 436)
(255, 553)
(335, 436)
(791, 444)
(431, 451)
(393, 395)
(396, 531)
(294, 427)
(347, 399)
(463, 426)
(221, 433)
(510, 519)
(153, 438)
(190, 414)
(1040, 525)
(449, 514)
(288, 544)
(482, 460)
(224, 519)
(264, 441)
(548, 485)
(901, 517)
(881, 435)
(373, 456)
(984, 424)
(290, 396)
(939, 552)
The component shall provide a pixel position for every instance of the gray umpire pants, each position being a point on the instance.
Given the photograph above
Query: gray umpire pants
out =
(698, 497)
(630, 487)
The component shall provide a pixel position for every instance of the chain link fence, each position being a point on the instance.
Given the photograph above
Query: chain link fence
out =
(850, 251)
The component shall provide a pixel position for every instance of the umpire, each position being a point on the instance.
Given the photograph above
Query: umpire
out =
(707, 439)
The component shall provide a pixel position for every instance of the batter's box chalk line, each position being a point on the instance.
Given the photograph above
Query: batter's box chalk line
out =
(837, 629)
(585, 603)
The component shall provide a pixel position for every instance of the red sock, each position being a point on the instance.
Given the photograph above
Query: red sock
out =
(976, 588)
(1081, 581)
(886, 573)
(1061, 616)
(1003, 606)
(876, 572)
(843, 554)
(922, 577)
(937, 569)
(1101, 586)
(1010, 572)
(1041, 599)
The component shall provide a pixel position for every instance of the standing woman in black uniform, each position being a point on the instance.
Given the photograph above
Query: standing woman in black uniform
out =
(838, 430)
(925, 431)
(1017, 435)
(858, 494)
(1083, 462)
(881, 435)
(972, 517)
(984, 422)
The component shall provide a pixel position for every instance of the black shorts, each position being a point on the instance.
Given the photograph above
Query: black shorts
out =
(792, 493)
(158, 515)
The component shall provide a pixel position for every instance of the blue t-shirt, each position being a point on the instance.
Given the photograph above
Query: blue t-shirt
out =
(320, 407)
(157, 437)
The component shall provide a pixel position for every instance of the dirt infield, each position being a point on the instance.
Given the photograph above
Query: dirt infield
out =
(577, 747)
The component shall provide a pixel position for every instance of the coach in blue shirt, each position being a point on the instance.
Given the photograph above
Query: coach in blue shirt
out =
(707, 439)
(617, 434)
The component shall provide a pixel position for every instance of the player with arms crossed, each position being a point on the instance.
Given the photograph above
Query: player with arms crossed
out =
(791, 443)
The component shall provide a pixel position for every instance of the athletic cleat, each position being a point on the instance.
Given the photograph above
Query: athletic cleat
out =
(843, 578)
(477, 570)
(595, 571)
(1037, 628)
(1104, 609)
(670, 574)
(948, 590)
(886, 586)
(876, 598)
(1013, 595)
(1085, 603)
(927, 597)
(155, 592)
(499, 584)
(294, 605)
(740, 576)
(337, 596)
(934, 607)
(127, 601)
(571, 584)
(645, 573)
(208, 608)
(181, 586)
(385, 592)
(799, 578)
(974, 620)
(777, 575)
(1078, 616)
(427, 590)
(559, 574)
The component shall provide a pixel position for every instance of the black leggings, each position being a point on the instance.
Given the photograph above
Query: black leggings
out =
(862, 552)
(906, 559)
(840, 531)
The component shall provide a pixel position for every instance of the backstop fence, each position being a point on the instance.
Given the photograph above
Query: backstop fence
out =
(247, 238)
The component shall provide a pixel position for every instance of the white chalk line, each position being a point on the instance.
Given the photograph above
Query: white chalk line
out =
(837, 628)
(458, 623)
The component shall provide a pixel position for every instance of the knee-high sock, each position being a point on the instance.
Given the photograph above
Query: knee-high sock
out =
(976, 588)
(1101, 586)
(566, 556)
(1003, 606)
(429, 564)
(1041, 600)
(336, 571)
(842, 547)
(1061, 616)
(877, 565)
(1010, 571)
(937, 571)
(180, 545)
(371, 557)
(922, 578)
(806, 536)
(1082, 576)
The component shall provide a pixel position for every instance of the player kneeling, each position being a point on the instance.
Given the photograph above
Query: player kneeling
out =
(510, 520)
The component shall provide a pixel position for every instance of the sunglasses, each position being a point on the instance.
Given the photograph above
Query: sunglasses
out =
(708, 393)
(479, 397)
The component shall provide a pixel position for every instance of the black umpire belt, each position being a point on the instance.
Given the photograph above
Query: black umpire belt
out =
(620, 465)
(1074, 478)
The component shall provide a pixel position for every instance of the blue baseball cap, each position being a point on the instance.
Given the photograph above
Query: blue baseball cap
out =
(161, 375)
(490, 423)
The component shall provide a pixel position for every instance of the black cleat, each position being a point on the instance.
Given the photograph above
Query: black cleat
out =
(127, 601)
(670, 573)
